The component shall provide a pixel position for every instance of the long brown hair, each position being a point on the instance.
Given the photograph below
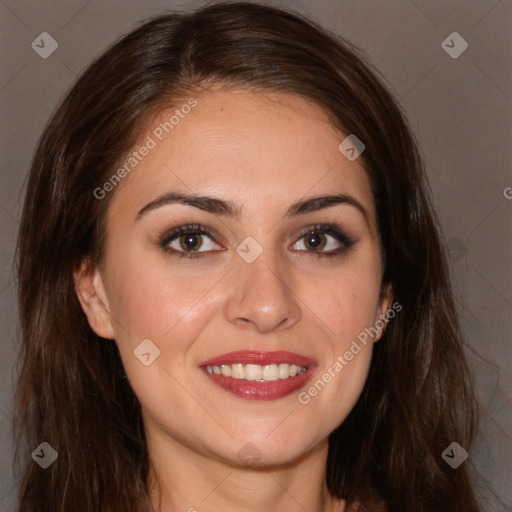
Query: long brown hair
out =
(72, 390)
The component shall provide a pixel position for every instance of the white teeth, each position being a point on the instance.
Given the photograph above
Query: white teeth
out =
(226, 370)
(256, 372)
(284, 370)
(238, 371)
(271, 372)
(253, 372)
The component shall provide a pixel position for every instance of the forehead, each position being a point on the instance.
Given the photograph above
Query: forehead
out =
(263, 147)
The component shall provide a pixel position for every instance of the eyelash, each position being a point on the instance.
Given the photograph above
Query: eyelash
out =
(187, 229)
(199, 229)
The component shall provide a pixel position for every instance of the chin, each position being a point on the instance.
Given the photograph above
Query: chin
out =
(267, 450)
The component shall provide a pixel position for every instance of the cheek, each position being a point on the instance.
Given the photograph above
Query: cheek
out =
(155, 301)
(345, 305)
(346, 302)
(151, 299)
(336, 388)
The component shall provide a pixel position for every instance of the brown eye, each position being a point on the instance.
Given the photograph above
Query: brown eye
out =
(191, 241)
(323, 240)
(315, 240)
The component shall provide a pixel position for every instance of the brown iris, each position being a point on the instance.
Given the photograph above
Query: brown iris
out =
(190, 242)
(315, 240)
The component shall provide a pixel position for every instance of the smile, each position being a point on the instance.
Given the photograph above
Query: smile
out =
(259, 375)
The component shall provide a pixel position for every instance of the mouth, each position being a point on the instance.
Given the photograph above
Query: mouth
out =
(259, 375)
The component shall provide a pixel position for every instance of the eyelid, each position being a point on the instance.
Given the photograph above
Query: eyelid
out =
(174, 233)
(191, 227)
(345, 240)
(327, 228)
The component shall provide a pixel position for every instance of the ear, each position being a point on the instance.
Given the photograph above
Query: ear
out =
(385, 301)
(90, 291)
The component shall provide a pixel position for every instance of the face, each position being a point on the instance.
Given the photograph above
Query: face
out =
(242, 262)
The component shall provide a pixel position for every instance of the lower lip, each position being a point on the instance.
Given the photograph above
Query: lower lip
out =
(253, 390)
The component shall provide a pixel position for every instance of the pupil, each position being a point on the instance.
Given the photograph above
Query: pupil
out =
(190, 241)
(315, 240)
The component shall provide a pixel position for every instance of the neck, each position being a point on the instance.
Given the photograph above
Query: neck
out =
(183, 480)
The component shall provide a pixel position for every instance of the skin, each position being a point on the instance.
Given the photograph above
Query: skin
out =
(262, 151)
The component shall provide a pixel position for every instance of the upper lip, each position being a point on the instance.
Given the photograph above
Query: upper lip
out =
(261, 358)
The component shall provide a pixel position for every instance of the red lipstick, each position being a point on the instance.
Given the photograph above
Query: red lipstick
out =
(258, 390)
(254, 357)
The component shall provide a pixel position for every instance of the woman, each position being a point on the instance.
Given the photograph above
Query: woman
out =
(233, 294)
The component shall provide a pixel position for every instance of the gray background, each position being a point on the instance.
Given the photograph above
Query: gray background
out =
(460, 110)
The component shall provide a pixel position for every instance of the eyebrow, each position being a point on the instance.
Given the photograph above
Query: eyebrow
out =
(229, 209)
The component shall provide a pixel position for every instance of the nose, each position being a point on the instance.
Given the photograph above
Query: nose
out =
(261, 296)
